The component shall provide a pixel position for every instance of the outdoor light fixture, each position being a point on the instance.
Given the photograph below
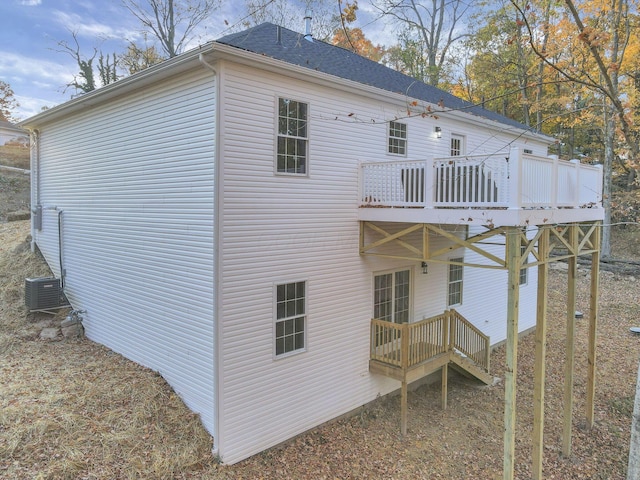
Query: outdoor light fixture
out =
(438, 131)
(425, 268)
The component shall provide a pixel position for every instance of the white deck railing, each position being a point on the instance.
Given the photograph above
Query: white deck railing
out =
(517, 180)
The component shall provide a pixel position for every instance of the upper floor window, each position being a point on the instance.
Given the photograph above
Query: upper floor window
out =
(397, 138)
(292, 137)
(457, 145)
(455, 282)
(291, 307)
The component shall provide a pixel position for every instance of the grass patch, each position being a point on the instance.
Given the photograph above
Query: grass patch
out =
(14, 155)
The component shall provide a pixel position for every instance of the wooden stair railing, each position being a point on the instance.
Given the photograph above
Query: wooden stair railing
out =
(406, 345)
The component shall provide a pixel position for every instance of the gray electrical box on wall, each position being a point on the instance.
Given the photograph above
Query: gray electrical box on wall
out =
(43, 293)
(36, 215)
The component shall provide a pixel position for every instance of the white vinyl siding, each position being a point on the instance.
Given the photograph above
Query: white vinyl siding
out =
(275, 231)
(134, 180)
(481, 284)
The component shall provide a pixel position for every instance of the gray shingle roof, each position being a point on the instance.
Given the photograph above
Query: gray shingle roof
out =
(292, 47)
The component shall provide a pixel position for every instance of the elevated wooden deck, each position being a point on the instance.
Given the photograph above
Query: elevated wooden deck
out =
(410, 351)
(514, 188)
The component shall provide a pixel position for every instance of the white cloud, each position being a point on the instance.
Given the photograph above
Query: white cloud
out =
(84, 27)
(25, 68)
(31, 3)
(30, 106)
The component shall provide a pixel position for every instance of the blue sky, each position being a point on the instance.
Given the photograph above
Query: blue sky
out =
(38, 69)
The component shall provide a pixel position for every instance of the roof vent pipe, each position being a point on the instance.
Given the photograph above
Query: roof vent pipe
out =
(307, 26)
(278, 35)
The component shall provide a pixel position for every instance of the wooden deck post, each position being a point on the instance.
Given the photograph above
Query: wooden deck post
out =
(445, 386)
(570, 341)
(403, 407)
(540, 355)
(593, 324)
(404, 352)
(513, 255)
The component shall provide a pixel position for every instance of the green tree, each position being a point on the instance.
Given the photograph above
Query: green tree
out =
(85, 80)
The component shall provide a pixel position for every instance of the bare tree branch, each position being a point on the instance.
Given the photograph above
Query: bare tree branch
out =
(172, 22)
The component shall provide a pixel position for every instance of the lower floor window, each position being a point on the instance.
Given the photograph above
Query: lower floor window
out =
(524, 271)
(290, 317)
(454, 294)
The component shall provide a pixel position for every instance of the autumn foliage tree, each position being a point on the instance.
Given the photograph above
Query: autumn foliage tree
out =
(355, 40)
(8, 102)
(588, 48)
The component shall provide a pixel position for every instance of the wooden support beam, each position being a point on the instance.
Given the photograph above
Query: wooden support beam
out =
(593, 325)
(513, 264)
(539, 374)
(460, 242)
(445, 386)
(403, 408)
(570, 343)
(388, 237)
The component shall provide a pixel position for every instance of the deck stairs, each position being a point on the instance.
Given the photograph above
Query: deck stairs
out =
(410, 351)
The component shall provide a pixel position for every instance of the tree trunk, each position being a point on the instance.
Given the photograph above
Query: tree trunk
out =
(609, 134)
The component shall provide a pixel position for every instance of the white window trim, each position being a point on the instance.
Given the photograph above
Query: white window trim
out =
(299, 351)
(406, 139)
(461, 281)
(524, 271)
(411, 289)
(277, 135)
(463, 144)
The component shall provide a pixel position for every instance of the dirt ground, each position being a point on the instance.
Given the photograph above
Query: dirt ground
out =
(72, 409)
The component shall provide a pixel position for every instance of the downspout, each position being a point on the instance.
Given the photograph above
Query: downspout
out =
(34, 160)
(217, 259)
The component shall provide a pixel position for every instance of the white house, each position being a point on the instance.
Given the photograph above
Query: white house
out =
(235, 217)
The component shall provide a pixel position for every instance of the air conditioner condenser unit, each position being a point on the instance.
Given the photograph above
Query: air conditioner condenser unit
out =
(43, 293)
